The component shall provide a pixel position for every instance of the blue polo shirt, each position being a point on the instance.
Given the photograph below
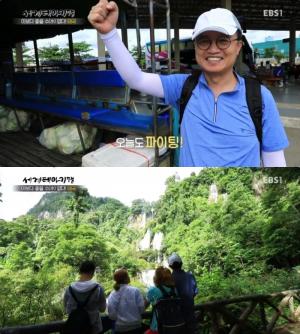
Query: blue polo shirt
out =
(221, 133)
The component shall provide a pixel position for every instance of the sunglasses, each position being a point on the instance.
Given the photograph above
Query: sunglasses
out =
(222, 42)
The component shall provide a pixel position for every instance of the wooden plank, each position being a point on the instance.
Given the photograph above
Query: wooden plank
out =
(24, 150)
(284, 302)
(263, 316)
(27, 156)
(35, 149)
(241, 323)
(232, 319)
(215, 322)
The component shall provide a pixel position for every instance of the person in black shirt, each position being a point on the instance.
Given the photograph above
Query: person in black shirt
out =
(186, 287)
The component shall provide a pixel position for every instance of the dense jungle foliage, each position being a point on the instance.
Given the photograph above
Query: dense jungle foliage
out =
(243, 239)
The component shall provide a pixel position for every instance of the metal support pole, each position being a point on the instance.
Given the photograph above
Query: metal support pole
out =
(36, 55)
(71, 52)
(152, 36)
(226, 4)
(154, 100)
(176, 42)
(292, 45)
(138, 36)
(169, 36)
(81, 138)
(19, 55)
(41, 121)
(124, 25)
(101, 52)
(71, 49)
(18, 120)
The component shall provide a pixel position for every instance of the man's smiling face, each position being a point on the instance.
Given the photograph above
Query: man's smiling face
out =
(216, 59)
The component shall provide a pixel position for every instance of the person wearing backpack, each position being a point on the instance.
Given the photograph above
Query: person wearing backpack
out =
(83, 300)
(167, 315)
(227, 120)
(125, 305)
(186, 287)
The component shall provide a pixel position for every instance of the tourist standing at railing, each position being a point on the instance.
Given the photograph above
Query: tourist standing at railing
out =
(167, 312)
(125, 305)
(216, 129)
(85, 292)
(186, 287)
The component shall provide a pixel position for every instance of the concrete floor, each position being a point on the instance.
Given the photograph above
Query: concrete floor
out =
(288, 99)
(292, 153)
(288, 102)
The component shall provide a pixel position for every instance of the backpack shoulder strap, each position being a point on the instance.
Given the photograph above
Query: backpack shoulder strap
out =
(163, 291)
(90, 294)
(167, 294)
(87, 298)
(254, 102)
(187, 90)
(73, 294)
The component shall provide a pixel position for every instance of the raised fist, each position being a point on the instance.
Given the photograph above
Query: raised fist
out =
(104, 16)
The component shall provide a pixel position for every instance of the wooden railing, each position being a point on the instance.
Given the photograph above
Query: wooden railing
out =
(260, 314)
(255, 314)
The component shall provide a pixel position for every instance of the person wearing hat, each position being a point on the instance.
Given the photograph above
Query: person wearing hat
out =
(186, 287)
(216, 129)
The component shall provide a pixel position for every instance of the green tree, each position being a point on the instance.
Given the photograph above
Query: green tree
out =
(68, 245)
(269, 52)
(53, 52)
(142, 60)
(281, 233)
(16, 231)
(19, 256)
(278, 56)
(82, 49)
(139, 206)
(79, 203)
(273, 52)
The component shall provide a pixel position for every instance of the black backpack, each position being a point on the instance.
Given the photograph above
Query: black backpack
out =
(79, 321)
(253, 97)
(169, 315)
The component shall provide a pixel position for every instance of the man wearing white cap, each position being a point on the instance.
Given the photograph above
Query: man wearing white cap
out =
(217, 128)
(186, 287)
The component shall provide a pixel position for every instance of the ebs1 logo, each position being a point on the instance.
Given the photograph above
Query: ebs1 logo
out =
(273, 12)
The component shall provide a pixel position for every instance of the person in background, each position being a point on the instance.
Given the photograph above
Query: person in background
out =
(125, 305)
(186, 287)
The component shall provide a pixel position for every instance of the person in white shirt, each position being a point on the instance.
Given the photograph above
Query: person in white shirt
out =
(125, 305)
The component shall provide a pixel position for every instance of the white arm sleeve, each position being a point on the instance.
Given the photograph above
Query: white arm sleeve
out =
(273, 159)
(135, 78)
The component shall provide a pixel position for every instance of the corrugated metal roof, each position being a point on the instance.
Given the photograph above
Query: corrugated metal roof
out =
(249, 12)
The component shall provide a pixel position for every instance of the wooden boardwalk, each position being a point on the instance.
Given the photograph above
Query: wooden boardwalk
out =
(22, 149)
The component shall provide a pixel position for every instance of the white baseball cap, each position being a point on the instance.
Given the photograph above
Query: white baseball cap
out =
(174, 258)
(218, 19)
